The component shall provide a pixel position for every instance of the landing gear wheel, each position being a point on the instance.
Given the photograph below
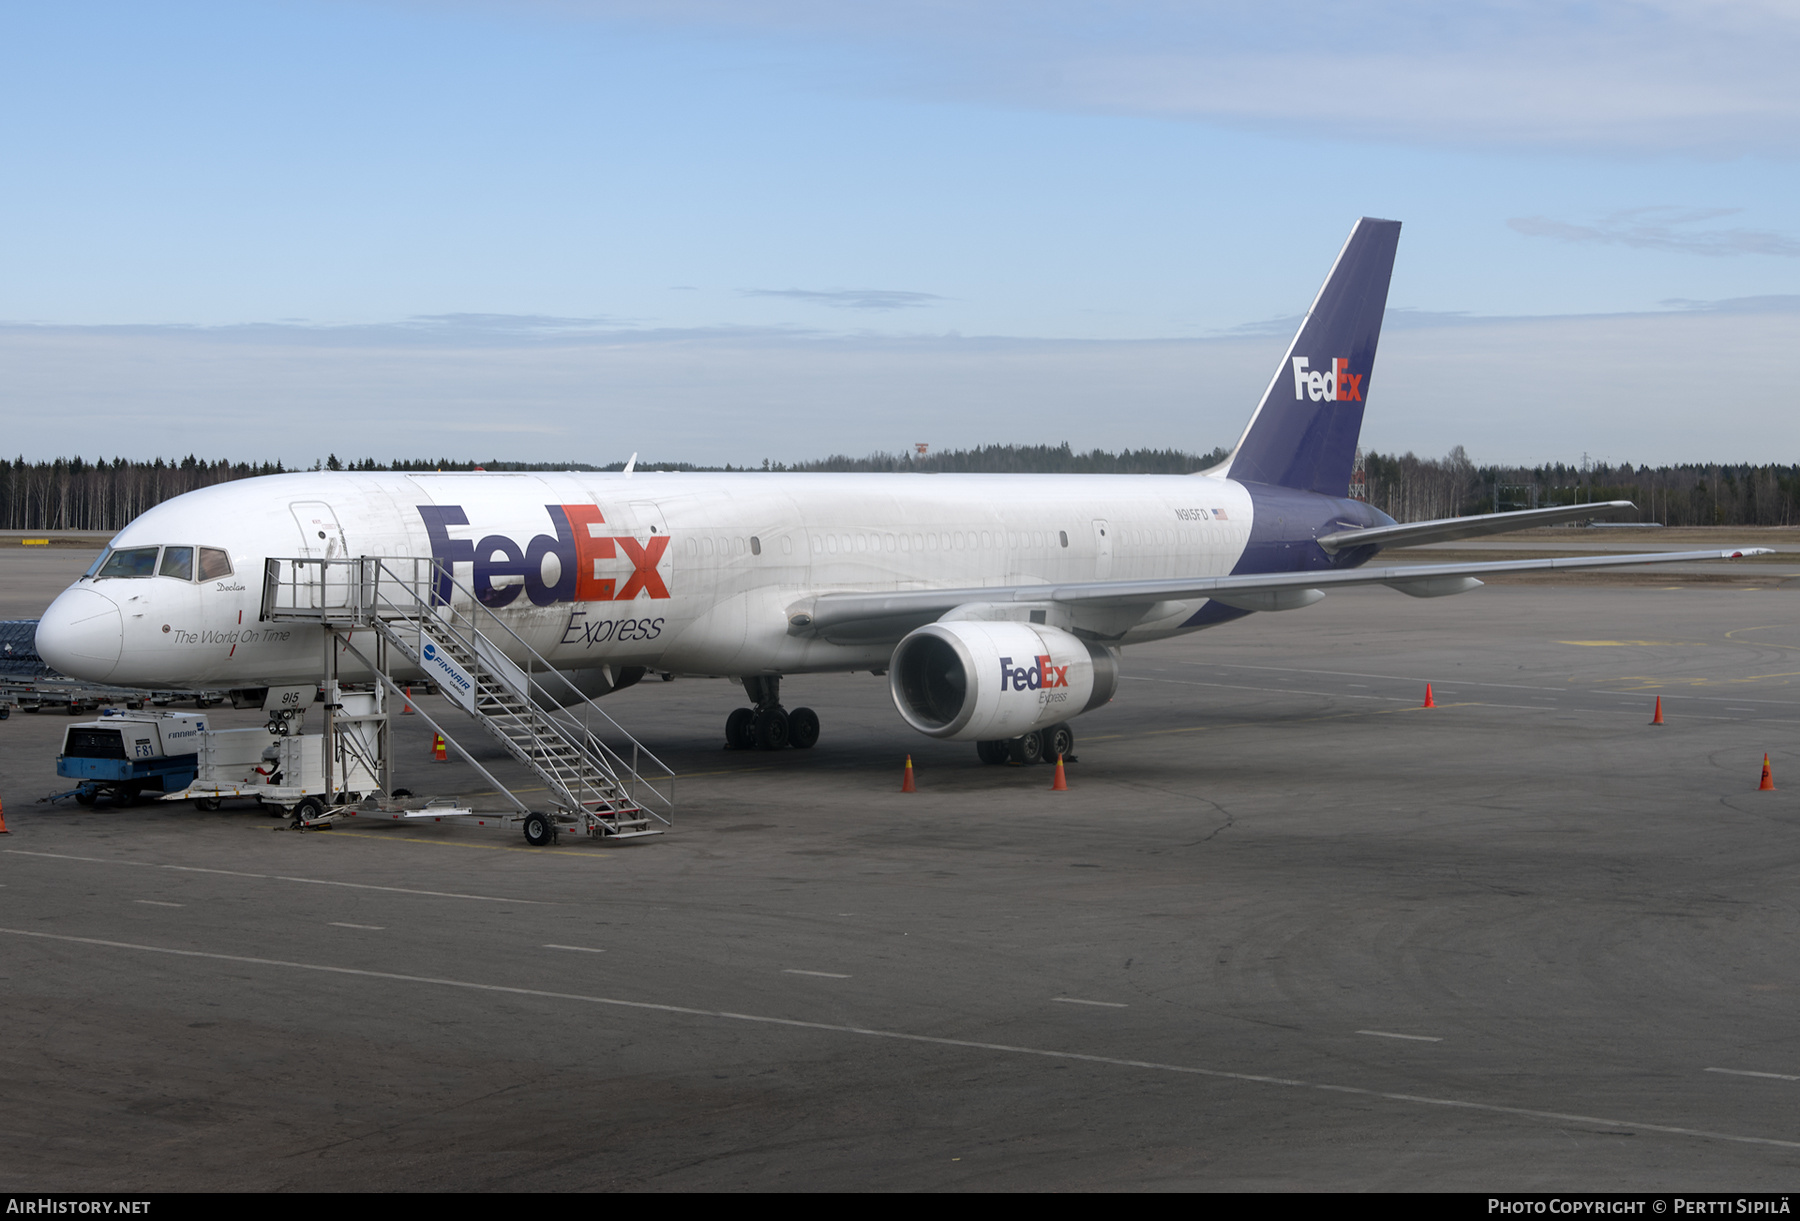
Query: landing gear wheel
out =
(538, 830)
(771, 729)
(803, 728)
(307, 809)
(128, 794)
(991, 751)
(1059, 742)
(400, 794)
(1027, 748)
(740, 730)
(207, 804)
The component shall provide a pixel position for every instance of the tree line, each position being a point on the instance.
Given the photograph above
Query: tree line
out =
(75, 494)
(1410, 488)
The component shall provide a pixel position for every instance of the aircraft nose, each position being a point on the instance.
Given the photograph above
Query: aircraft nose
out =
(81, 634)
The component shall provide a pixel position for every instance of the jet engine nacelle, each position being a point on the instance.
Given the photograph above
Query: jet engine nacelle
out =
(970, 680)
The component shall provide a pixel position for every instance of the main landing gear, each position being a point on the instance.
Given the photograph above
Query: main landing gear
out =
(1038, 746)
(769, 726)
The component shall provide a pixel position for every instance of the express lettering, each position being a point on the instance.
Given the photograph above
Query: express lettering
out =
(580, 548)
(1041, 676)
(586, 633)
(1338, 386)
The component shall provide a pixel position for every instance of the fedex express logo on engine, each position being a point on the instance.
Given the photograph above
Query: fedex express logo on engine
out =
(1040, 677)
(582, 552)
(1338, 385)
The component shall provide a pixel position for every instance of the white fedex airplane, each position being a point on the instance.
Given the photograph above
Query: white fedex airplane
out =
(996, 604)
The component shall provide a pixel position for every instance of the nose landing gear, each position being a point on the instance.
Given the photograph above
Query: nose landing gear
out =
(769, 726)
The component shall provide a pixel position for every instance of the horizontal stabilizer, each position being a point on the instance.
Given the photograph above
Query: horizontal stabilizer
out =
(1446, 529)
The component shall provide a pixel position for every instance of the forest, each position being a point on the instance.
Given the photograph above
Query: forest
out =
(105, 494)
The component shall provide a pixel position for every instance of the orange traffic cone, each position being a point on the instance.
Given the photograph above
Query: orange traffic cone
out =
(1657, 719)
(906, 783)
(1429, 702)
(3, 830)
(1061, 783)
(407, 710)
(438, 753)
(1768, 780)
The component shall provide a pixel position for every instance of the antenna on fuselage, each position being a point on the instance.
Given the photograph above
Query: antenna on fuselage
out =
(631, 466)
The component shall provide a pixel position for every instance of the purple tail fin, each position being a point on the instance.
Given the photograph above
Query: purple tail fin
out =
(1304, 432)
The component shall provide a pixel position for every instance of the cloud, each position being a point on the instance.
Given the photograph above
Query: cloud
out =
(438, 331)
(1710, 77)
(1663, 228)
(850, 298)
(1781, 303)
(1509, 389)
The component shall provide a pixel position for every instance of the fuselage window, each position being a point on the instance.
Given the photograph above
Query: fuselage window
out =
(1064, 535)
(862, 542)
(130, 562)
(887, 541)
(215, 565)
(177, 562)
(830, 543)
(755, 545)
(787, 545)
(959, 540)
(986, 539)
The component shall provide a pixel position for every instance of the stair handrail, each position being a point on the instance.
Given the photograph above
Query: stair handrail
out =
(448, 613)
(364, 600)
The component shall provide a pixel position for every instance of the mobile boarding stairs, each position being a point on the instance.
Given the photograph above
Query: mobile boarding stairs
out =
(601, 781)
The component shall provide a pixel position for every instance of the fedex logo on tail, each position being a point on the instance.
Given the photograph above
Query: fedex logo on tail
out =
(1040, 677)
(1337, 386)
(581, 549)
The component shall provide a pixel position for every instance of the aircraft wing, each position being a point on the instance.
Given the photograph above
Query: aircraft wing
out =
(868, 616)
(1444, 529)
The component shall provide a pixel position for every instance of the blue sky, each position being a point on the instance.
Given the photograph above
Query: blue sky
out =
(724, 232)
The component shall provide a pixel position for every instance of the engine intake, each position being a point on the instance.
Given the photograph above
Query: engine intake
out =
(971, 680)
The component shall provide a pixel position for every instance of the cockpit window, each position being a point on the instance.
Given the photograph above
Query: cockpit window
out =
(130, 562)
(214, 564)
(98, 560)
(177, 562)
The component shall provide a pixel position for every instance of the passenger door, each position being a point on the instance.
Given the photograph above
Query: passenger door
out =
(321, 538)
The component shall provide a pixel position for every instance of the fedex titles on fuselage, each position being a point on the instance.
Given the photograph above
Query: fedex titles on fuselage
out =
(578, 544)
(1338, 385)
